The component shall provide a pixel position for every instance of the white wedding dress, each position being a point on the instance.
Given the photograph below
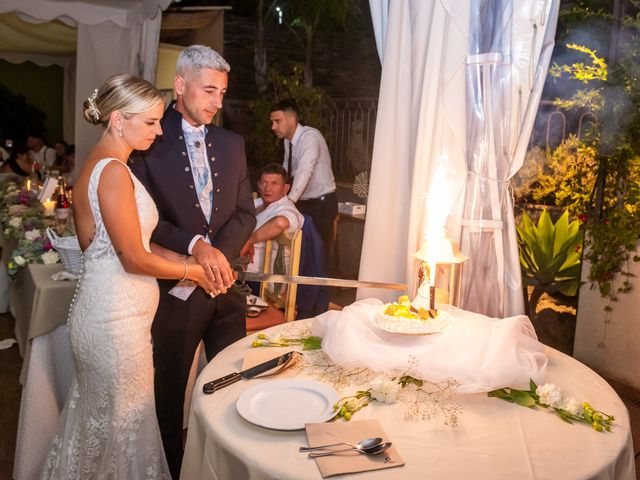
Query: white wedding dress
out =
(108, 428)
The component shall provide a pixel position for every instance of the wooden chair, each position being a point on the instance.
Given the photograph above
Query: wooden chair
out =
(279, 310)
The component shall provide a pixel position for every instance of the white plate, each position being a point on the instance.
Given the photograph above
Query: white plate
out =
(406, 326)
(287, 404)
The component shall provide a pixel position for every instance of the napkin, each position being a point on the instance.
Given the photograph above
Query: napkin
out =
(256, 356)
(183, 290)
(352, 432)
(255, 301)
(64, 275)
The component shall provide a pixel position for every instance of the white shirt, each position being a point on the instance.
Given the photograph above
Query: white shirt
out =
(46, 156)
(186, 126)
(311, 164)
(282, 208)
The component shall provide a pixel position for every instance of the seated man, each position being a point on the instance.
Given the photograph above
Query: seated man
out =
(275, 214)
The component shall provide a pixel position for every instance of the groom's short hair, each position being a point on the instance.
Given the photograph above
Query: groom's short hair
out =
(197, 57)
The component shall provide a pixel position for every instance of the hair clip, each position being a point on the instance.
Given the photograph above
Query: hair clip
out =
(93, 109)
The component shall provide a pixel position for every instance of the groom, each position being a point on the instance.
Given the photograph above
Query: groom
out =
(197, 175)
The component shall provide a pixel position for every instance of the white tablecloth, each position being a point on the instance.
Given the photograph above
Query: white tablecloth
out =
(494, 439)
(38, 303)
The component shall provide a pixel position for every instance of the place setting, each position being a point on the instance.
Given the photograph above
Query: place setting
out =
(293, 404)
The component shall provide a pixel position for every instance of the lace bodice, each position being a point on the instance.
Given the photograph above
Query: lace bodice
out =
(101, 247)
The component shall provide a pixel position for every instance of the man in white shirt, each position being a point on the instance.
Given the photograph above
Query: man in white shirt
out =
(275, 214)
(307, 160)
(40, 153)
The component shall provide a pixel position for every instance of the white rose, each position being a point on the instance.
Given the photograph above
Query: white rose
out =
(15, 222)
(32, 235)
(573, 406)
(11, 188)
(50, 257)
(384, 390)
(20, 261)
(550, 395)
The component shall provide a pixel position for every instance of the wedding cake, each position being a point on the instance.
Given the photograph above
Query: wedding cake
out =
(404, 317)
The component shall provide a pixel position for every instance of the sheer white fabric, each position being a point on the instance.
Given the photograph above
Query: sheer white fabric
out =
(108, 428)
(481, 353)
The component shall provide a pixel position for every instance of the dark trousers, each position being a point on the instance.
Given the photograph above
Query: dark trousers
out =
(177, 329)
(323, 211)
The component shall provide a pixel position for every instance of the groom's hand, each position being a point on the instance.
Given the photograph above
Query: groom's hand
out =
(215, 265)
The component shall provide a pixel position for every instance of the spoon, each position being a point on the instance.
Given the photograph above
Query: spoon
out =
(361, 445)
(373, 450)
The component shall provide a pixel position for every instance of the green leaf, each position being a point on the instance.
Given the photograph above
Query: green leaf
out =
(502, 394)
(312, 343)
(532, 386)
(523, 398)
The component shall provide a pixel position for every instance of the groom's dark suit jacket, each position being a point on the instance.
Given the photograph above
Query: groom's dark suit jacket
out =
(165, 171)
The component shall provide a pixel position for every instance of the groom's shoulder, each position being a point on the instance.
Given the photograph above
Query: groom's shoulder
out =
(222, 134)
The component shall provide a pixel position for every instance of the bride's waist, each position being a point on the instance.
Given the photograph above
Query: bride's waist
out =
(109, 266)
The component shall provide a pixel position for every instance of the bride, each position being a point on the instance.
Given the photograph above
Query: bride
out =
(108, 428)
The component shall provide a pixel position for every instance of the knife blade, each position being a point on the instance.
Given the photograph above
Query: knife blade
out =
(332, 282)
(252, 372)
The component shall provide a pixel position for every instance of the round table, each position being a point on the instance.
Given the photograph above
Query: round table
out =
(493, 439)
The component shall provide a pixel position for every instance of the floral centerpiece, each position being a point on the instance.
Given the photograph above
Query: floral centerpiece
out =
(23, 220)
(35, 247)
(20, 210)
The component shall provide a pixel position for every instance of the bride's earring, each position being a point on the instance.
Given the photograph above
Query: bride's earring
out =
(120, 130)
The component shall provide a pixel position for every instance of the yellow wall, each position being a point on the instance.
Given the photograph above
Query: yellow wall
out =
(166, 68)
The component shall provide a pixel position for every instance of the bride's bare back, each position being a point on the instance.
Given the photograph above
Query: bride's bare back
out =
(82, 214)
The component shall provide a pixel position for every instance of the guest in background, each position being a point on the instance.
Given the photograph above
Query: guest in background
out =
(70, 158)
(60, 147)
(308, 163)
(18, 162)
(41, 154)
(275, 214)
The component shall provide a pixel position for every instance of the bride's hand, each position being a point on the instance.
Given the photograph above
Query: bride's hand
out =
(198, 275)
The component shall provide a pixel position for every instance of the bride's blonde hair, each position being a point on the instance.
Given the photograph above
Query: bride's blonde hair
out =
(124, 92)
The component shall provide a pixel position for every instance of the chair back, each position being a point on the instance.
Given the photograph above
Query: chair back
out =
(312, 299)
(289, 300)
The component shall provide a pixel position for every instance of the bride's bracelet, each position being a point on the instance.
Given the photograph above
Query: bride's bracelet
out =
(186, 270)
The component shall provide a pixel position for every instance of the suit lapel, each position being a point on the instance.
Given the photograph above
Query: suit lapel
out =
(177, 162)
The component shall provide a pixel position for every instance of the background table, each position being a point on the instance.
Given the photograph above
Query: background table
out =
(494, 439)
(38, 303)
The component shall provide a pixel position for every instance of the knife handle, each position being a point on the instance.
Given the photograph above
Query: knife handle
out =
(222, 382)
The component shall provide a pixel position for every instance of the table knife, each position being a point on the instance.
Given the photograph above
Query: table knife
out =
(252, 372)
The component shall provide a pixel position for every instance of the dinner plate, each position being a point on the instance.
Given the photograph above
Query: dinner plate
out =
(287, 404)
(443, 322)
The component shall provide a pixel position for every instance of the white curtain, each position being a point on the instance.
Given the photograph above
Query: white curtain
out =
(422, 84)
(510, 45)
(380, 17)
(429, 138)
(104, 50)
